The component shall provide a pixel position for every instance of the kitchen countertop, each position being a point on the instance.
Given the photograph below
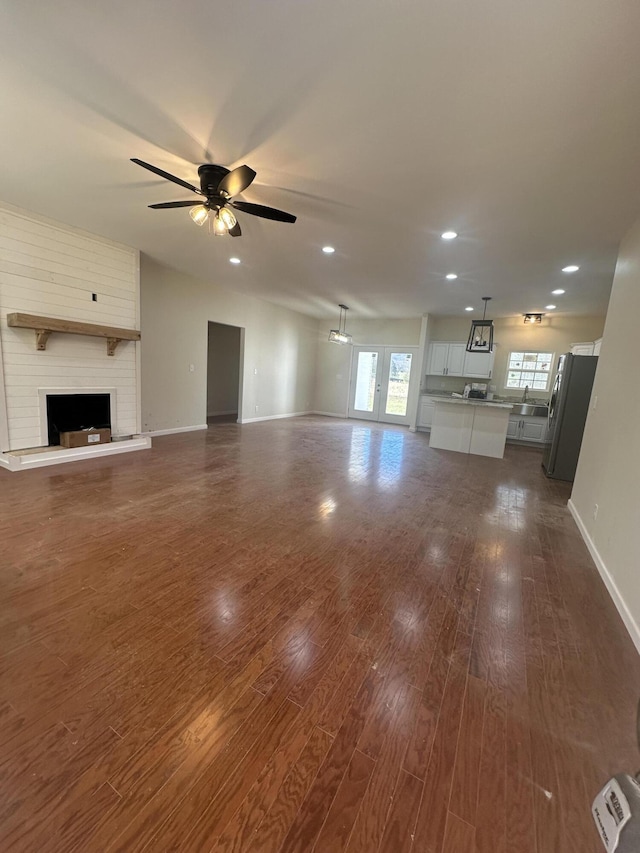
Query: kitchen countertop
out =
(460, 401)
(446, 395)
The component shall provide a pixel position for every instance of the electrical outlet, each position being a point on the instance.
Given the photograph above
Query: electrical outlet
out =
(595, 511)
(256, 408)
(595, 402)
(192, 368)
(255, 371)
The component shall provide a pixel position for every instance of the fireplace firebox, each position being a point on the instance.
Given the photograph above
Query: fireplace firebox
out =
(66, 412)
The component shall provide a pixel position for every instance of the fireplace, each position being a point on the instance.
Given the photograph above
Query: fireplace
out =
(66, 412)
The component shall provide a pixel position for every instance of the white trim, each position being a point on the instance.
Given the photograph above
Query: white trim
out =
(241, 374)
(43, 393)
(275, 417)
(629, 622)
(73, 454)
(176, 430)
(138, 345)
(4, 419)
(219, 414)
(330, 414)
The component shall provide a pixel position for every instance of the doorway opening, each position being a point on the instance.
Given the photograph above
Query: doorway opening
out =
(224, 357)
(380, 382)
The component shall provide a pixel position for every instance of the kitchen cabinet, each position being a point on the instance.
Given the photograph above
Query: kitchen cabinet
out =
(470, 426)
(425, 412)
(446, 358)
(529, 429)
(582, 348)
(477, 365)
(450, 358)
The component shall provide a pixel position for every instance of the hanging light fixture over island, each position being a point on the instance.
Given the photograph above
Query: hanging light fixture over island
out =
(339, 335)
(481, 333)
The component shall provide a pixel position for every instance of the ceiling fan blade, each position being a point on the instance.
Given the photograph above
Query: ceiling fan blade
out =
(236, 181)
(167, 204)
(166, 175)
(263, 211)
(236, 231)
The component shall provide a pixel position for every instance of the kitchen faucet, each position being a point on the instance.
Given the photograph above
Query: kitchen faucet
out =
(526, 391)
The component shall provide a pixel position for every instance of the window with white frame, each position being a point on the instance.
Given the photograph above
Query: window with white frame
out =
(529, 368)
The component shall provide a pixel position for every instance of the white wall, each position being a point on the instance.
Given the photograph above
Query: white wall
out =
(223, 369)
(334, 361)
(51, 270)
(609, 467)
(279, 350)
(555, 334)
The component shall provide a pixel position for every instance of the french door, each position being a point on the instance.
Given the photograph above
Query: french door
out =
(380, 382)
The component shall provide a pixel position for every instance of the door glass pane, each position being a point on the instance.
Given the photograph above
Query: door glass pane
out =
(366, 381)
(398, 388)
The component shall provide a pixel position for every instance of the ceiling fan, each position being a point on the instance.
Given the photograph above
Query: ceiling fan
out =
(218, 186)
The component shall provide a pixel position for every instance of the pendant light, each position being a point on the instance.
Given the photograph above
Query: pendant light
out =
(481, 333)
(339, 335)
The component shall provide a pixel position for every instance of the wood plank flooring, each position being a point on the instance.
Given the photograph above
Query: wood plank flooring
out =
(304, 635)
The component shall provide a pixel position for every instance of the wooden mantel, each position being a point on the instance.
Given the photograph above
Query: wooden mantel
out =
(43, 326)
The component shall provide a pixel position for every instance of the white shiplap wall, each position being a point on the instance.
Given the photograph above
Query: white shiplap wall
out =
(52, 270)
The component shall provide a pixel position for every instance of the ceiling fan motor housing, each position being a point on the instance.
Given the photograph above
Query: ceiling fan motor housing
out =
(210, 177)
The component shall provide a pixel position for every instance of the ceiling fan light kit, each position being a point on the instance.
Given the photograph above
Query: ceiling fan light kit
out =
(218, 186)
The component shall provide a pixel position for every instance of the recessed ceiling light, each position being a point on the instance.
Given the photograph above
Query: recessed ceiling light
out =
(234, 260)
(469, 308)
(570, 268)
(449, 235)
(452, 276)
(328, 250)
(549, 307)
(558, 292)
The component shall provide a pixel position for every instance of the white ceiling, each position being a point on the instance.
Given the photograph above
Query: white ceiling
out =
(380, 123)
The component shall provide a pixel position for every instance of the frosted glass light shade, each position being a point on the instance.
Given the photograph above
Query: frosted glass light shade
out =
(227, 217)
(199, 214)
(223, 221)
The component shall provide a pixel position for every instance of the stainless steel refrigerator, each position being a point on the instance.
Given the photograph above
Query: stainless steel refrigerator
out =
(568, 409)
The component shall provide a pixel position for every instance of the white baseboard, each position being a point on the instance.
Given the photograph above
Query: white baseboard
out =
(629, 622)
(176, 430)
(275, 417)
(330, 414)
(220, 414)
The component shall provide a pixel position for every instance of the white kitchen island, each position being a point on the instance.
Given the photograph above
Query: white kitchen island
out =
(470, 426)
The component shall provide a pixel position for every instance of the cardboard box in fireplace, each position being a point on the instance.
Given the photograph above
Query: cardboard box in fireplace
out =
(85, 437)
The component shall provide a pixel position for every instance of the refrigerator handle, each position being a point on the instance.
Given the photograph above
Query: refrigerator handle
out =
(552, 402)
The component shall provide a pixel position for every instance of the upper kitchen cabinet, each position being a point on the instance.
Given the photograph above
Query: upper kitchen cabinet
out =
(478, 365)
(582, 348)
(446, 359)
(450, 358)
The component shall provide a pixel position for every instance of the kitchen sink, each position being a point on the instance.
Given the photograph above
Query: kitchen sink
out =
(536, 411)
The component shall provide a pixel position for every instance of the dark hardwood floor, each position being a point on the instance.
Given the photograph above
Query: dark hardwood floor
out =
(304, 635)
